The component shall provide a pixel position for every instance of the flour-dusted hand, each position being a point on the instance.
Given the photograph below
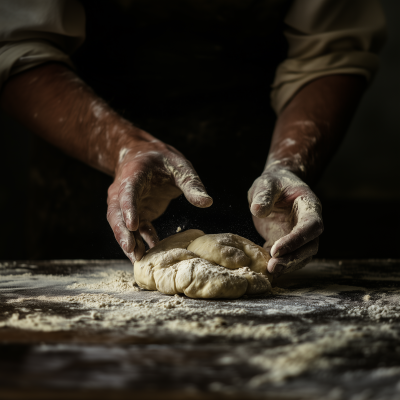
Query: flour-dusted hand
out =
(148, 176)
(288, 215)
(148, 173)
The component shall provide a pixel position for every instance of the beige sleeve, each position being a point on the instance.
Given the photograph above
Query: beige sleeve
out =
(328, 37)
(33, 32)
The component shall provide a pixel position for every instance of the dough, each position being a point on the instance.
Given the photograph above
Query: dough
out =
(231, 251)
(180, 240)
(198, 278)
(221, 266)
(257, 282)
(147, 270)
(165, 254)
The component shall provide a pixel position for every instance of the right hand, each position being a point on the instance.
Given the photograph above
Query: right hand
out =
(288, 215)
(148, 176)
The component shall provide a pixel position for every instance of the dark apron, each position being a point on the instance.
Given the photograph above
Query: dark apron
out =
(195, 74)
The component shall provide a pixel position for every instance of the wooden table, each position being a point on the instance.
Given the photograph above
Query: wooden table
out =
(336, 345)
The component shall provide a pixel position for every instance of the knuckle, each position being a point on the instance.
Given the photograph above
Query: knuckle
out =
(317, 226)
(118, 236)
(126, 188)
(110, 214)
(112, 197)
(117, 231)
(120, 227)
(112, 189)
(127, 205)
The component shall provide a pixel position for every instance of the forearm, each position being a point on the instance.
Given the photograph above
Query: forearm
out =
(311, 127)
(56, 105)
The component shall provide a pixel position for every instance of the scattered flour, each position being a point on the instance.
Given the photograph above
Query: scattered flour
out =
(386, 305)
(280, 348)
(305, 354)
(116, 281)
(376, 311)
(177, 316)
(40, 322)
(25, 275)
(88, 300)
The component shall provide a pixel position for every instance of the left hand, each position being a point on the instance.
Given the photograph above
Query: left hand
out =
(148, 177)
(288, 215)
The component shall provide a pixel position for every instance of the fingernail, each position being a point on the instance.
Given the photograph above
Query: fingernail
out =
(124, 246)
(276, 255)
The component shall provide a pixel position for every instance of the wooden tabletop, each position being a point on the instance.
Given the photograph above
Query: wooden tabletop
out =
(331, 331)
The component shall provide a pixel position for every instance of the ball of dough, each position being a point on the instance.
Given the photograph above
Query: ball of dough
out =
(166, 253)
(198, 278)
(220, 266)
(145, 270)
(231, 251)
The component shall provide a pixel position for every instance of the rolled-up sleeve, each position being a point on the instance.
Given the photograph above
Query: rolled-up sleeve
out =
(328, 37)
(33, 32)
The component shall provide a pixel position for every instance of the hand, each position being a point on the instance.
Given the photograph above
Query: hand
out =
(148, 176)
(287, 214)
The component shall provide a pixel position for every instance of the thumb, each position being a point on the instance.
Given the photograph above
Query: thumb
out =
(262, 196)
(189, 182)
(196, 193)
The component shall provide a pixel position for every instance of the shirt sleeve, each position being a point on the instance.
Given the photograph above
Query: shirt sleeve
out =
(328, 37)
(33, 32)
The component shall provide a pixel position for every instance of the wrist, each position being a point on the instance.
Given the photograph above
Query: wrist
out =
(294, 165)
(128, 142)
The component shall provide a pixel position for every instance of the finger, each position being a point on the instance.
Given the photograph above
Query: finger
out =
(309, 225)
(262, 196)
(289, 262)
(189, 182)
(124, 237)
(131, 189)
(140, 249)
(131, 256)
(298, 266)
(148, 233)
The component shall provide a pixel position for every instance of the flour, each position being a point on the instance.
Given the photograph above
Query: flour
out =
(176, 316)
(298, 358)
(376, 311)
(39, 322)
(275, 336)
(172, 318)
(122, 153)
(303, 354)
(98, 109)
(332, 290)
(116, 281)
(86, 299)
(219, 327)
(318, 330)
(25, 275)
(8, 264)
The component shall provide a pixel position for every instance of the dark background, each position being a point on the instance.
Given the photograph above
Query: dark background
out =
(359, 192)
